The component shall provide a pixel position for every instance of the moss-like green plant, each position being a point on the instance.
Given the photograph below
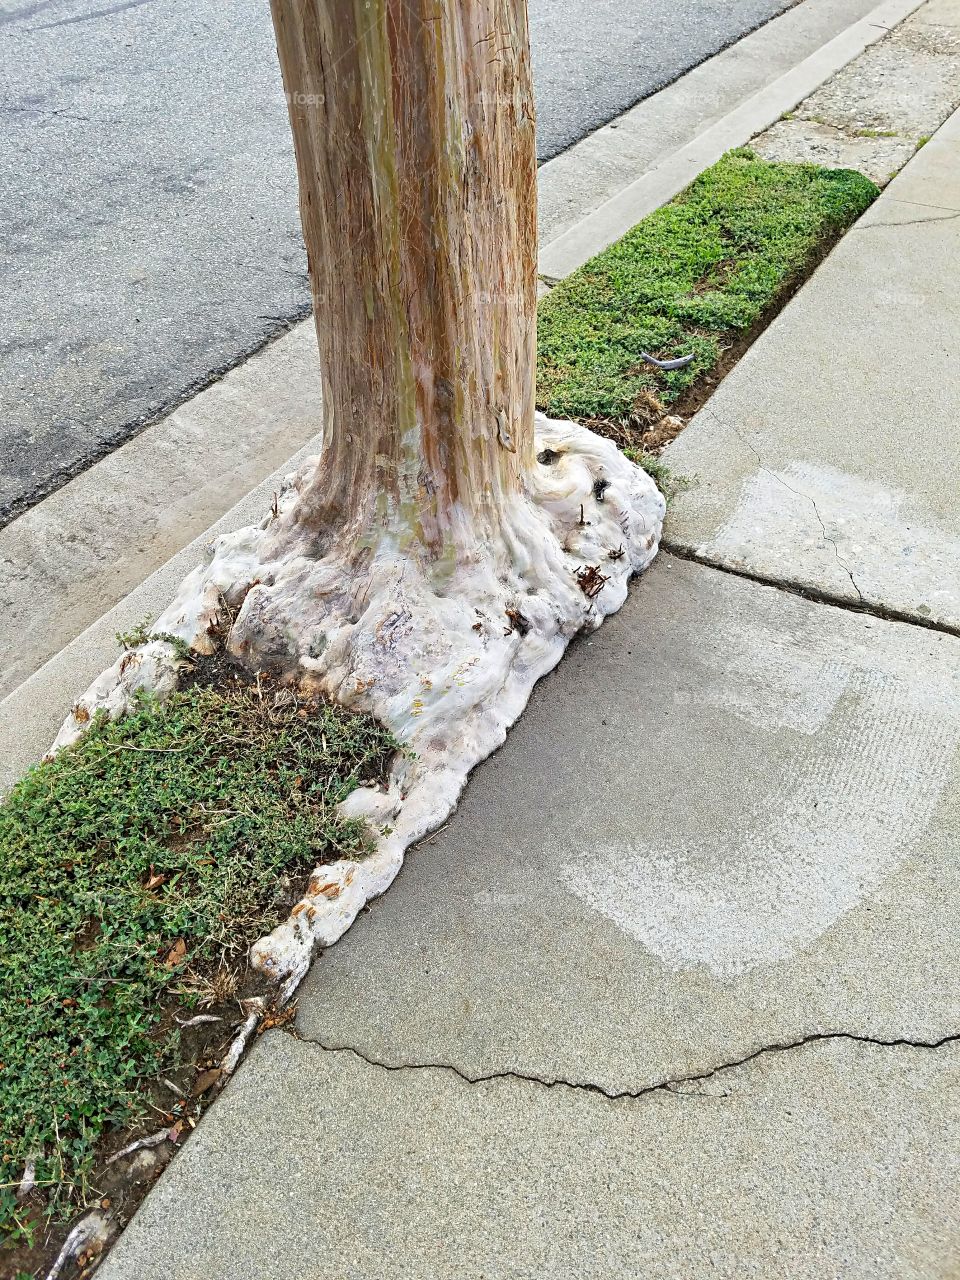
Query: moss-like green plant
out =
(690, 278)
(163, 842)
(665, 480)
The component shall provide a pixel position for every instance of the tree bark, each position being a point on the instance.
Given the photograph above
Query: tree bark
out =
(413, 127)
(437, 559)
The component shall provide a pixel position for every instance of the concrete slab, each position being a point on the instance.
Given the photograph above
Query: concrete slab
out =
(801, 141)
(940, 13)
(727, 820)
(835, 1159)
(874, 113)
(901, 83)
(829, 458)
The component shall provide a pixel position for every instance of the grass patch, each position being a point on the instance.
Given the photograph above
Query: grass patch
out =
(666, 481)
(137, 862)
(692, 277)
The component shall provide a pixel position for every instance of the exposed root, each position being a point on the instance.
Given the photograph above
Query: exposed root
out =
(254, 1010)
(151, 1140)
(88, 1236)
(444, 654)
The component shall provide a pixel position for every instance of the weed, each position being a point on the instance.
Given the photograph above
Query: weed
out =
(923, 140)
(665, 480)
(136, 636)
(141, 635)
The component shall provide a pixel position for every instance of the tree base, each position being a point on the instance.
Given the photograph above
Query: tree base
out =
(446, 656)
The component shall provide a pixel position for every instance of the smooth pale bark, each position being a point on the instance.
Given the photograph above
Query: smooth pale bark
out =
(413, 127)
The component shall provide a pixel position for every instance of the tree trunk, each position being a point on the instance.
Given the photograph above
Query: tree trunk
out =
(436, 560)
(413, 126)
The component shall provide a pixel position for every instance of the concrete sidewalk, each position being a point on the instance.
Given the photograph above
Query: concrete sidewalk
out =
(829, 459)
(675, 993)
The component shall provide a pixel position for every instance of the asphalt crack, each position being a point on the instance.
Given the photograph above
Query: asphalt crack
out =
(673, 1085)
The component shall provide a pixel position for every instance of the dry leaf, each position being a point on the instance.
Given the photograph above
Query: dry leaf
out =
(205, 1080)
(275, 1019)
(154, 880)
(176, 955)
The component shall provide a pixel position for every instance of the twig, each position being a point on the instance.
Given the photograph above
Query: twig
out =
(235, 1052)
(151, 1140)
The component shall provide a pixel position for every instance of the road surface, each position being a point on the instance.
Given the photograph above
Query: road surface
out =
(148, 195)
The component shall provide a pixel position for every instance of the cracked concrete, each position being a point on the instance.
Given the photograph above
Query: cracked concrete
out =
(837, 1160)
(777, 840)
(672, 995)
(678, 1085)
(797, 492)
(849, 399)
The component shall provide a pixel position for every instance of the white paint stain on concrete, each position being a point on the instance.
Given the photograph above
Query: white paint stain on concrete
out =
(863, 754)
(844, 534)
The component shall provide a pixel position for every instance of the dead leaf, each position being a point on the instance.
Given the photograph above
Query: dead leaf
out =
(277, 1019)
(205, 1080)
(154, 881)
(81, 714)
(176, 955)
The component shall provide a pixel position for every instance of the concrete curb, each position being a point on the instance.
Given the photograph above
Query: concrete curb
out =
(617, 215)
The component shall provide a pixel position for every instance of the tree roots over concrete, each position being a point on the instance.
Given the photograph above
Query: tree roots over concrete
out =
(444, 652)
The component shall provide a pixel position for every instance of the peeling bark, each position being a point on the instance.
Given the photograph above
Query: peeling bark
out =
(413, 126)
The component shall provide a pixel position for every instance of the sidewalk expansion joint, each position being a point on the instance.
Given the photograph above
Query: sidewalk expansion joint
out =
(816, 595)
(673, 1085)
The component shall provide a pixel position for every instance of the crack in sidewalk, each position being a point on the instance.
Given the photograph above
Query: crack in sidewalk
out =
(804, 591)
(910, 222)
(797, 492)
(672, 1085)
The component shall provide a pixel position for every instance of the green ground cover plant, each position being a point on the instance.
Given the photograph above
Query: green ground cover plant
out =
(133, 866)
(142, 861)
(692, 277)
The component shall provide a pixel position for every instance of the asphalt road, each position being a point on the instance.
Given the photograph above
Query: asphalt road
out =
(148, 194)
